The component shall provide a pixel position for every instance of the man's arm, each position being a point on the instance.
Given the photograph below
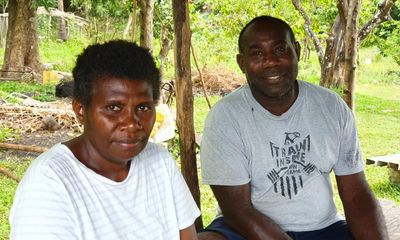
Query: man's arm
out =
(363, 213)
(241, 216)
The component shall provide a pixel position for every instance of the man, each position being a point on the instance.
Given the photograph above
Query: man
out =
(109, 182)
(268, 149)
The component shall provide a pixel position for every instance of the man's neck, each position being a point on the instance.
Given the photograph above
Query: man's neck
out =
(279, 105)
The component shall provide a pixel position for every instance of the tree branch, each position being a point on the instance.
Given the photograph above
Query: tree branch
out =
(381, 15)
(310, 32)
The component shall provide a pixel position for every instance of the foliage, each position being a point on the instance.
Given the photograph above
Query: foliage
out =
(103, 8)
(389, 46)
(387, 35)
(40, 92)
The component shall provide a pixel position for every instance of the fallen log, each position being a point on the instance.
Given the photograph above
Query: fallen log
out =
(26, 148)
(8, 174)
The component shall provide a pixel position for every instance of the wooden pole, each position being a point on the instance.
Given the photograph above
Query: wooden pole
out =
(9, 174)
(184, 99)
(134, 21)
(26, 148)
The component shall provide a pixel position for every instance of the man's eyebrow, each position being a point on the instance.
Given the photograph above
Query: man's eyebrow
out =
(254, 46)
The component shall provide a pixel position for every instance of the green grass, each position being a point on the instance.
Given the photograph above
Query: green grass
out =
(37, 91)
(200, 111)
(8, 187)
(62, 55)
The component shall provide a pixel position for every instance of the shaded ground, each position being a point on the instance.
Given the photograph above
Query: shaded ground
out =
(39, 138)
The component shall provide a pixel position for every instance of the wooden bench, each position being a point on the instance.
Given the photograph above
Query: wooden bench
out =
(393, 163)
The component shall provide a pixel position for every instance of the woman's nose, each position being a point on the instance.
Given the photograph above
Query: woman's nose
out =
(132, 121)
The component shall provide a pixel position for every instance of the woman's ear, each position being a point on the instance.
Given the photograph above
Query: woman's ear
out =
(79, 110)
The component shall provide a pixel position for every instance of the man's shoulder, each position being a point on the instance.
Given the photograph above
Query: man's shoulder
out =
(233, 100)
(319, 92)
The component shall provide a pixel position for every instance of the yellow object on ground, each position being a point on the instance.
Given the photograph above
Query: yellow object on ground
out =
(50, 77)
(164, 127)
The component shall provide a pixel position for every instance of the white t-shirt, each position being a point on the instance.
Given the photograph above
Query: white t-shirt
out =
(60, 198)
(287, 159)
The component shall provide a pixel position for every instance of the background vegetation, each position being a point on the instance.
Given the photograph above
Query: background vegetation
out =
(215, 26)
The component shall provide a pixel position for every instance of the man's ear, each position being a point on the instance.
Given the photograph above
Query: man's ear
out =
(79, 110)
(240, 61)
(297, 48)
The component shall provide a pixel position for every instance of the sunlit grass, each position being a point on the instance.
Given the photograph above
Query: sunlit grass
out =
(8, 187)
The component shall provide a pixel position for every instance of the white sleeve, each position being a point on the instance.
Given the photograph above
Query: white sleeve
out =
(350, 157)
(222, 152)
(41, 209)
(185, 206)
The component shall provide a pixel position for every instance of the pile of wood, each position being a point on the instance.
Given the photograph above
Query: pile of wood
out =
(217, 82)
(42, 116)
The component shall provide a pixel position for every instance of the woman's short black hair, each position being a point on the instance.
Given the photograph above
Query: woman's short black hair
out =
(117, 58)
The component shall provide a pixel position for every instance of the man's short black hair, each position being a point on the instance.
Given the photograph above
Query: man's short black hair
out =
(268, 19)
(117, 58)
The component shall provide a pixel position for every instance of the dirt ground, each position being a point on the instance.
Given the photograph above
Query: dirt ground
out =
(40, 139)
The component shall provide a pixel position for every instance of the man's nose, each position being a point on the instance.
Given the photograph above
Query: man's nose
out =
(270, 60)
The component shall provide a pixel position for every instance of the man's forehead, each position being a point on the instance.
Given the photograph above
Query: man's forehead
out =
(266, 30)
(267, 26)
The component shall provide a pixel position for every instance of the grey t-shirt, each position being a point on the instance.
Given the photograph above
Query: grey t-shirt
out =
(287, 159)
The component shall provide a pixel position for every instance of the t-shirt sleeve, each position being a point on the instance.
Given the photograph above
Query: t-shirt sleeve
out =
(222, 152)
(350, 157)
(40, 210)
(186, 208)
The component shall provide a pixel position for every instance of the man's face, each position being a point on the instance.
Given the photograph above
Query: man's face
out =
(118, 121)
(269, 59)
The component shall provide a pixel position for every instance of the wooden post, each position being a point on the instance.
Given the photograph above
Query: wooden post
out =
(134, 21)
(184, 99)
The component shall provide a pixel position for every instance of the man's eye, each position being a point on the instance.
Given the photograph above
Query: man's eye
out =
(113, 108)
(256, 53)
(281, 49)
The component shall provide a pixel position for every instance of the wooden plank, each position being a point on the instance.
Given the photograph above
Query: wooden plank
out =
(392, 161)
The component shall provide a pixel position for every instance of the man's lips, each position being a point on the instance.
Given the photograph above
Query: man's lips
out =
(273, 78)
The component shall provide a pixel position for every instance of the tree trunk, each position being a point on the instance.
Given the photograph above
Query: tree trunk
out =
(22, 49)
(62, 30)
(134, 20)
(184, 99)
(349, 11)
(165, 47)
(146, 24)
(338, 68)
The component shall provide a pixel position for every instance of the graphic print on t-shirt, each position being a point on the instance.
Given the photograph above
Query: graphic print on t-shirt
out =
(292, 166)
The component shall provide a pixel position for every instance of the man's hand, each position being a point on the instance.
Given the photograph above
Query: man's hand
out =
(242, 217)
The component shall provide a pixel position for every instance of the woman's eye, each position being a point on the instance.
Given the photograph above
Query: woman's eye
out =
(144, 108)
